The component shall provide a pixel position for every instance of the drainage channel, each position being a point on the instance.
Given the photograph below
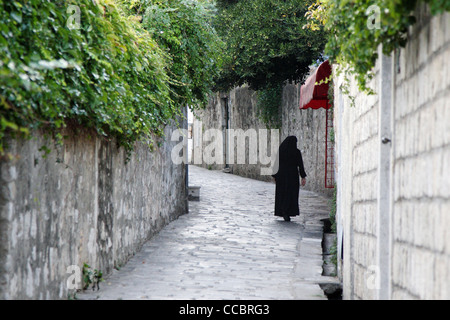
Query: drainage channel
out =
(332, 289)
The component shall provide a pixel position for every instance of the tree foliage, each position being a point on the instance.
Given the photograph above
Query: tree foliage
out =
(183, 29)
(95, 65)
(266, 43)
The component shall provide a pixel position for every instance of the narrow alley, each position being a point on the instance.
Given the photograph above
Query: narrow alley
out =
(229, 246)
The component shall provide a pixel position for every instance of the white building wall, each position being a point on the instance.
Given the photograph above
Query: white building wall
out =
(418, 244)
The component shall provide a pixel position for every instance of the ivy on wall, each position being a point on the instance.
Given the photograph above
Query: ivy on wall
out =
(356, 29)
(95, 65)
(266, 45)
(183, 29)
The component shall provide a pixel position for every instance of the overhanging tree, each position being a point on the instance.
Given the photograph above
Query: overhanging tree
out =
(266, 45)
(109, 71)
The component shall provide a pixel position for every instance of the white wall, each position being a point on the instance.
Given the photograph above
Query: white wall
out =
(413, 221)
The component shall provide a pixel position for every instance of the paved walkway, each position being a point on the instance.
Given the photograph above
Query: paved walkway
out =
(229, 246)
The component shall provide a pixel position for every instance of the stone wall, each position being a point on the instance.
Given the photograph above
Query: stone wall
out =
(307, 125)
(356, 130)
(83, 203)
(421, 156)
(396, 244)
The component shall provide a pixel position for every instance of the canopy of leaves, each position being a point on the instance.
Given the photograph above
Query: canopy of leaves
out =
(88, 63)
(266, 43)
(95, 65)
(356, 29)
(183, 29)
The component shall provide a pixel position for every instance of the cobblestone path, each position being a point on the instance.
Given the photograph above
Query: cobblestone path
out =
(229, 246)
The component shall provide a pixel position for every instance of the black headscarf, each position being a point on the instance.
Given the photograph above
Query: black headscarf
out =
(287, 154)
(290, 164)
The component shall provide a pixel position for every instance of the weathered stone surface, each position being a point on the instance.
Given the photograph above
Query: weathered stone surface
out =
(229, 246)
(418, 240)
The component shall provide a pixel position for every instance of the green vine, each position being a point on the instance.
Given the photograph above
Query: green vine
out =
(104, 72)
(333, 209)
(269, 104)
(91, 277)
(357, 28)
(91, 64)
(265, 43)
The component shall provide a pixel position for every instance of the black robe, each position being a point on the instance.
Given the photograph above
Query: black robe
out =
(287, 187)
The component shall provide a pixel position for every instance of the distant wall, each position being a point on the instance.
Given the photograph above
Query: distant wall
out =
(307, 125)
(83, 203)
(394, 194)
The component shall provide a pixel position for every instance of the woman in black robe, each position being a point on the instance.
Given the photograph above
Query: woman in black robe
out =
(286, 179)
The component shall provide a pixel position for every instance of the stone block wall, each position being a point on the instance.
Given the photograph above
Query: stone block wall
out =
(411, 260)
(356, 134)
(307, 125)
(244, 115)
(421, 160)
(83, 203)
